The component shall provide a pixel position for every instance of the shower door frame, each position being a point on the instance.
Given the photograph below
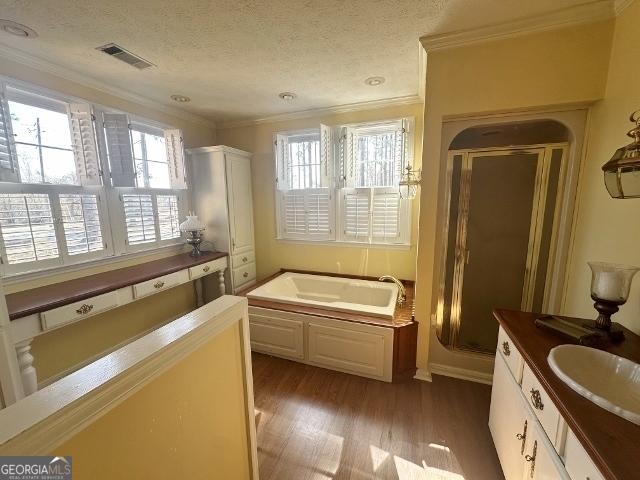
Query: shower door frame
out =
(544, 152)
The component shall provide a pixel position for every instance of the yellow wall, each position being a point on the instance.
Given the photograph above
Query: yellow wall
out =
(272, 255)
(607, 229)
(190, 422)
(550, 68)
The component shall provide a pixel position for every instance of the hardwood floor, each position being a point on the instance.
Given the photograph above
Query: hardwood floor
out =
(319, 424)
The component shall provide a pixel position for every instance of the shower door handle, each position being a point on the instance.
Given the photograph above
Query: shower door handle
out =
(467, 256)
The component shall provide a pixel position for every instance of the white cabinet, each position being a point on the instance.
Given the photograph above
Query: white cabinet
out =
(277, 336)
(577, 462)
(222, 199)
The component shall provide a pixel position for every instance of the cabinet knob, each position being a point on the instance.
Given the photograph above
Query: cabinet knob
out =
(536, 399)
(245, 274)
(505, 349)
(206, 269)
(523, 437)
(244, 259)
(159, 284)
(532, 458)
(84, 309)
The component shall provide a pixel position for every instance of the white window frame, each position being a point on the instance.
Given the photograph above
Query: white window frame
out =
(111, 211)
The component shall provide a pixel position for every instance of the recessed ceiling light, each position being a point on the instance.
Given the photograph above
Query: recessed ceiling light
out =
(287, 96)
(17, 29)
(374, 81)
(180, 98)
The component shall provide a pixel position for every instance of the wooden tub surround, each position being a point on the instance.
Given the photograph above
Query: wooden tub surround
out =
(307, 331)
(589, 441)
(36, 311)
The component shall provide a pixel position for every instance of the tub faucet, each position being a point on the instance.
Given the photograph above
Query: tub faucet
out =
(402, 293)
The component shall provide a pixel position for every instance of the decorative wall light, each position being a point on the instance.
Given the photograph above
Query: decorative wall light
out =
(622, 172)
(193, 227)
(409, 182)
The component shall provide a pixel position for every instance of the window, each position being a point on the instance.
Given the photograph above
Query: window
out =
(350, 197)
(74, 176)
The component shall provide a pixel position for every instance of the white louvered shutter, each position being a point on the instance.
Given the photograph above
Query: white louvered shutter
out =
(293, 214)
(283, 161)
(120, 153)
(327, 176)
(356, 214)
(139, 218)
(168, 216)
(320, 214)
(81, 223)
(386, 215)
(83, 141)
(9, 171)
(401, 148)
(175, 158)
(348, 151)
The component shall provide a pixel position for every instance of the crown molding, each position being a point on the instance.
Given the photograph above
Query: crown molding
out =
(620, 5)
(566, 17)
(37, 63)
(317, 112)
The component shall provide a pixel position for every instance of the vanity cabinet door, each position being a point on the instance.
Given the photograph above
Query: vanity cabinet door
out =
(541, 460)
(240, 203)
(508, 421)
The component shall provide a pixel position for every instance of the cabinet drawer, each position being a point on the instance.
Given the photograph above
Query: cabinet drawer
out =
(160, 283)
(511, 355)
(208, 268)
(78, 310)
(577, 462)
(541, 405)
(277, 336)
(243, 259)
(244, 274)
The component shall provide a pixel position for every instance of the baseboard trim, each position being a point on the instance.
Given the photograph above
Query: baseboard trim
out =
(461, 373)
(424, 375)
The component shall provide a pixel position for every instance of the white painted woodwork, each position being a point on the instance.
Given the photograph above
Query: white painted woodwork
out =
(40, 423)
(221, 283)
(511, 355)
(25, 364)
(547, 413)
(11, 389)
(577, 462)
(222, 199)
(277, 336)
(511, 406)
(78, 310)
(159, 284)
(199, 297)
(207, 268)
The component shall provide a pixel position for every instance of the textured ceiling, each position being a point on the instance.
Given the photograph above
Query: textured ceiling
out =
(234, 57)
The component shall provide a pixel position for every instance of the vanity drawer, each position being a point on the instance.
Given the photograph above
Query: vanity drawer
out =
(243, 259)
(510, 354)
(207, 268)
(160, 283)
(577, 462)
(243, 275)
(541, 405)
(78, 310)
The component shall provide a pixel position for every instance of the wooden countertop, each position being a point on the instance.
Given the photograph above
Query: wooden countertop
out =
(403, 315)
(612, 442)
(28, 302)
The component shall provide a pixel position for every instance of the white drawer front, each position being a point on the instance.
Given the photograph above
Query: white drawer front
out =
(284, 338)
(78, 310)
(244, 274)
(542, 405)
(577, 462)
(349, 350)
(160, 283)
(207, 268)
(511, 355)
(243, 259)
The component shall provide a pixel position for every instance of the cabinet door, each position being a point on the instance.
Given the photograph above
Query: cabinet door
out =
(541, 460)
(240, 202)
(508, 421)
(277, 336)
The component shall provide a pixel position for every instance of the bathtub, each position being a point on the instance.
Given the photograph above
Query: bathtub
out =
(332, 293)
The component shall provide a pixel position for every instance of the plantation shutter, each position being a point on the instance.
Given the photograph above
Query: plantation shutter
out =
(356, 215)
(139, 218)
(83, 141)
(283, 162)
(175, 158)
(294, 216)
(348, 152)
(401, 149)
(8, 160)
(319, 207)
(120, 153)
(385, 215)
(326, 157)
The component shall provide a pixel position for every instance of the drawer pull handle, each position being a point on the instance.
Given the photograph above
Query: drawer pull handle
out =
(244, 259)
(536, 399)
(523, 437)
(245, 274)
(505, 349)
(159, 284)
(84, 309)
(206, 269)
(532, 458)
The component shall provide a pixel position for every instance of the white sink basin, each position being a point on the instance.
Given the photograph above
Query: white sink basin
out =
(610, 381)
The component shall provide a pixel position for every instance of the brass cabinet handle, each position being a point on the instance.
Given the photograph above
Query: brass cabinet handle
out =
(244, 259)
(206, 269)
(532, 458)
(245, 274)
(523, 437)
(505, 348)
(159, 284)
(536, 399)
(84, 309)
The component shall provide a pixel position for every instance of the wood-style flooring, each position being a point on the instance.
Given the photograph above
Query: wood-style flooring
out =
(319, 424)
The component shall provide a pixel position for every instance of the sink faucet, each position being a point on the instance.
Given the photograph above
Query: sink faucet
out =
(402, 293)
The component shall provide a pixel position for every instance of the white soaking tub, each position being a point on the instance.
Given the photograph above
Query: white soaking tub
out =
(332, 293)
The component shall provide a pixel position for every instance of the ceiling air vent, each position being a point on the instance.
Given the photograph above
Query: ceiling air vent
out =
(127, 57)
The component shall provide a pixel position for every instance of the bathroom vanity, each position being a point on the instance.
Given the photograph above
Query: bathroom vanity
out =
(541, 428)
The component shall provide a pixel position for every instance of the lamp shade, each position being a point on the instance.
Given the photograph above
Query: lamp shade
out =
(192, 224)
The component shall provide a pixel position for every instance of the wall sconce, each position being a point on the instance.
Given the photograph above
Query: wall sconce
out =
(409, 182)
(622, 172)
(193, 227)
